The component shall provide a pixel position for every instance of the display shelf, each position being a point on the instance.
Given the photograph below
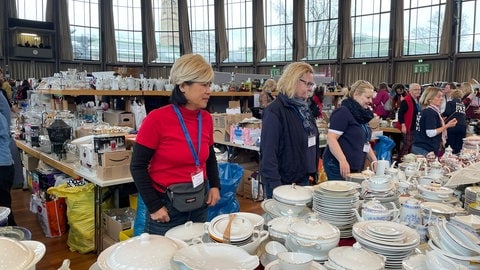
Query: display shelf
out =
(91, 92)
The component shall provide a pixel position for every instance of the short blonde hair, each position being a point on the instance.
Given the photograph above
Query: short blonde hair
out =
(191, 68)
(456, 93)
(428, 95)
(359, 87)
(287, 84)
(467, 88)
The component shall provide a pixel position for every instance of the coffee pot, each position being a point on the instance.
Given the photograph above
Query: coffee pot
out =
(374, 210)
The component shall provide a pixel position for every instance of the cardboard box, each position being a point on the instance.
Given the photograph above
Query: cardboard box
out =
(29, 162)
(116, 220)
(107, 143)
(107, 241)
(220, 135)
(87, 156)
(119, 118)
(224, 121)
(247, 183)
(113, 172)
(118, 158)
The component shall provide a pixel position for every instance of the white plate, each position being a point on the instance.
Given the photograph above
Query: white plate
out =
(337, 186)
(271, 208)
(256, 219)
(470, 220)
(380, 228)
(411, 240)
(275, 265)
(241, 227)
(38, 249)
(439, 208)
(209, 256)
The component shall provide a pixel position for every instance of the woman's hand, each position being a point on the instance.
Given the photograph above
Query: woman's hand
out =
(344, 168)
(452, 123)
(213, 196)
(161, 215)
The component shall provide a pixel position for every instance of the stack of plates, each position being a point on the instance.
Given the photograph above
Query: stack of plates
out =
(241, 229)
(471, 194)
(385, 197)
(393, 240)
(272, 210)
(334, 201)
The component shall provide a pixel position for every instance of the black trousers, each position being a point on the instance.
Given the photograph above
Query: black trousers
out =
(7, 174)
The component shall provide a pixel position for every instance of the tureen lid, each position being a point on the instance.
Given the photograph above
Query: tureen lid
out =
(145, 252)
(374, 204)
(187, 231)
(14, 254)
(356, 257)
(313, 228)
(293, 194)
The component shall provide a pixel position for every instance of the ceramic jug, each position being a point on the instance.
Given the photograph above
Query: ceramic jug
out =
(374, 210)
(411, 212)
(382, 165)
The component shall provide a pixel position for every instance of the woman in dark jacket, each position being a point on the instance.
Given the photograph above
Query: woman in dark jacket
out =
(289, 140)
(456, 109)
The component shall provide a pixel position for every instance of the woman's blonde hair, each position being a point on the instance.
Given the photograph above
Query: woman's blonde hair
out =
(428, 95)
(359, 87)
(467, 88)
(287, 84)
(456, 93)
(191, 68)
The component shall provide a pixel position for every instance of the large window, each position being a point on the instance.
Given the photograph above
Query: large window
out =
(278, 30)
(202, 28)
(31, 10)
(370, 28)
(322, 27)
(165, 16)
(128, 30)
(423, 23)
(470, 26)
(84, 29)
(239, 25)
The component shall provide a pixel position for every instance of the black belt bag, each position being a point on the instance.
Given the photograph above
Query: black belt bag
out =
(185, 197)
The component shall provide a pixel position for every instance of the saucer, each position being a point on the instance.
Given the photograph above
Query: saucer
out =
(275, 265)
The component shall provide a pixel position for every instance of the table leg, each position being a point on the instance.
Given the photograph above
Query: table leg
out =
(98, 218)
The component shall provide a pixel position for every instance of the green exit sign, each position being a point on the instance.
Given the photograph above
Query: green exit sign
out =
(274, 72)
(421, 68)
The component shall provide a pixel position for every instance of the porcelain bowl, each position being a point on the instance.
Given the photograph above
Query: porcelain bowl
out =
(290, 209)
(294, 260)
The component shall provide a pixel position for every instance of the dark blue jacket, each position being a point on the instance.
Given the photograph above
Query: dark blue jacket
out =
(284, 144)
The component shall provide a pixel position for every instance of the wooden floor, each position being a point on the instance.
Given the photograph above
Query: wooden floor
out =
(57, 249)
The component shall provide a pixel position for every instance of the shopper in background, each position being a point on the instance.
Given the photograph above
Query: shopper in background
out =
(7, 169)
(379, 101)
(399, 93)
(471, 100)
(407, 115)
(22, 91)
(266, 96)
(447, 95)
(348, 137)
(289, 139)
(5, 85)
(316, 101)
(455, 109)
(175, 145)
(431, 129)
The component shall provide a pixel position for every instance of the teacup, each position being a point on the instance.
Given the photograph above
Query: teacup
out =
(294, 260)
(272, 248)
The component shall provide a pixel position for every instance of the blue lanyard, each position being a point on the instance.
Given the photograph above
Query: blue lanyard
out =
(367, 132)
(195, 154)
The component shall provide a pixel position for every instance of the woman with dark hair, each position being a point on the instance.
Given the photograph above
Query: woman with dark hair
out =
(379, 101)
(22, 90)
(316, 101)
(174, 147)
(454, 108)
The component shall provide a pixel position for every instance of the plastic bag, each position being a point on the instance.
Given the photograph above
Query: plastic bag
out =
(230, 176)
(383, 148)
(140, 217)
(80, 214)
